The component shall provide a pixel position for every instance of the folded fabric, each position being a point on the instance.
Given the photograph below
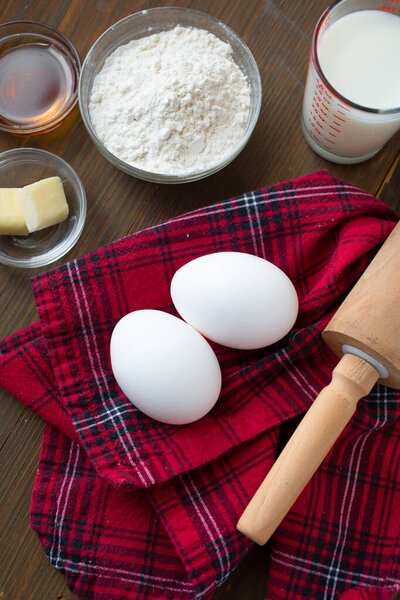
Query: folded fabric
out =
(131, 508)
(374, 593)
(292, 225)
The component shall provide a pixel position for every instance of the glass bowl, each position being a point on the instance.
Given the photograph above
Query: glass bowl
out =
(153, 21)
(39, 75)
(21, 167)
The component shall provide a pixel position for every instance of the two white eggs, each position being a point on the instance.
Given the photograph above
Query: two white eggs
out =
(165, 366)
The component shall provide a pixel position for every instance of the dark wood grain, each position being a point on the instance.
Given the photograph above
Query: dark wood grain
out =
(278, 33)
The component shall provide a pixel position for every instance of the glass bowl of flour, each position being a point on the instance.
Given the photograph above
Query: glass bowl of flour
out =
(170, 95)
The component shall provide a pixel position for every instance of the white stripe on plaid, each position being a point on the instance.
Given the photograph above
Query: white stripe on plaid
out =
(207, 519)
(278, 194)
(59, 520)
(112, 412)
(247, 199)
(306, 386)
(348, 498)
(81, 568)
(103, 389)
(293, 563)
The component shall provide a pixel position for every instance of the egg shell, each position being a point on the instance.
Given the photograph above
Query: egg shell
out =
(164, 366)
(235, 299)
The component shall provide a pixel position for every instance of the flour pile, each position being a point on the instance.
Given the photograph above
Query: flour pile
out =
(173, 102)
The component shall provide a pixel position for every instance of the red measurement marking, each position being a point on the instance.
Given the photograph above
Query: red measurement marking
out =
(389, 8)
(339, 111)
(328, 140)
(316, 123)
(340, 119)
(317, 131)
(332, 134)
(338, 124)
(334, 129)
(344, 107)
(325, 23)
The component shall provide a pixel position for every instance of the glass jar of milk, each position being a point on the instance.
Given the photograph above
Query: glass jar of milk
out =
(351, 102)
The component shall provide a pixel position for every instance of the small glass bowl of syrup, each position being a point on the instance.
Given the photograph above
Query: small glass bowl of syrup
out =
(39, 76)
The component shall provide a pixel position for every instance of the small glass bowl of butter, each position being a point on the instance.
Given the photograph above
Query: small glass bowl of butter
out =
(38, 188)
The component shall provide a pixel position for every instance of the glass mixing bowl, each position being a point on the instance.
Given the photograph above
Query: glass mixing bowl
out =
(153, 21)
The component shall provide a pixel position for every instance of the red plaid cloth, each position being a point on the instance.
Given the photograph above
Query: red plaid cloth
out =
(131, 508)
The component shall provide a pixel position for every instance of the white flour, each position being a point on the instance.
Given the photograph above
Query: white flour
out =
(172, 102)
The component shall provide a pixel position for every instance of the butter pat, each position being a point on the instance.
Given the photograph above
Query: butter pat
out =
(43, 203)
(11, 220)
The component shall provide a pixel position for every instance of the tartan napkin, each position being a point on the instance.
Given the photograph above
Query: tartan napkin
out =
(131, 508)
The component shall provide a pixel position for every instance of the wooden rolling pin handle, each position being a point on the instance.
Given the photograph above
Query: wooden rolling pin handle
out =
(352, 379)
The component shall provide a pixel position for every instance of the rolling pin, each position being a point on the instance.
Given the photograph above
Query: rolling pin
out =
(365, 333)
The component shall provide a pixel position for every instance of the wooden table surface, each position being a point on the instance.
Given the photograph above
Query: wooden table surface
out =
(278, 33)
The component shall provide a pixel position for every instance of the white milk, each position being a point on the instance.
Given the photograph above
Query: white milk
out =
(359, 55)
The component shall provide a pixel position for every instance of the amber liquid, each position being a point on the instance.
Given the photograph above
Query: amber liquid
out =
(37, 82)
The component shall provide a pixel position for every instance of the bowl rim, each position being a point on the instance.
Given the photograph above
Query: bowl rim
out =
(168, 177)
(64, 246)
(76, 66)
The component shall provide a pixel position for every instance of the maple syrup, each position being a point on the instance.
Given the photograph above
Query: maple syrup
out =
(37, 82)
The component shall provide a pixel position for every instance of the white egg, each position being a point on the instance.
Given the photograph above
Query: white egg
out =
(235, 299)
(164, 366)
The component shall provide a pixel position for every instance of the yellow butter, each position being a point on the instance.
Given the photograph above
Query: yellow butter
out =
(43, 203)
(11, 220)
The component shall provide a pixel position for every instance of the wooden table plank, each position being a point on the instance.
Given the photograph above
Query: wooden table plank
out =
(278, 33)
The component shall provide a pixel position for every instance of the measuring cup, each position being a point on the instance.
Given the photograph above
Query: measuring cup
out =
(336, 128)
